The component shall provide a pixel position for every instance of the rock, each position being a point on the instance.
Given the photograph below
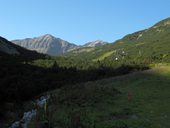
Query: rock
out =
(15, 124)
(27, 116)
(47, 44)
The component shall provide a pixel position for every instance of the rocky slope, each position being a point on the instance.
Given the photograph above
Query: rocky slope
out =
(47, 44)
(51, 45)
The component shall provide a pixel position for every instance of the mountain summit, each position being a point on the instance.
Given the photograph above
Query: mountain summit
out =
(95, 43)
(46, 44)
(51, 45)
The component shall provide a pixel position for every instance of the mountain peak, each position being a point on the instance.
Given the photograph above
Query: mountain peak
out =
(95, 43)
(46, 44)
(48, 36)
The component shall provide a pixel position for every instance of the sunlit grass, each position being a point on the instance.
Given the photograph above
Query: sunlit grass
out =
(102, 57)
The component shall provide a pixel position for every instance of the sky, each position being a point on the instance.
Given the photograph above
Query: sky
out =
(79, 21)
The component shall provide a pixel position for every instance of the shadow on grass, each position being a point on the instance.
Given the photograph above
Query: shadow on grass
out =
(21, 82)
(105, 103)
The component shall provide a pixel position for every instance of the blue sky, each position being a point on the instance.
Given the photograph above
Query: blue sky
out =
(79, 21)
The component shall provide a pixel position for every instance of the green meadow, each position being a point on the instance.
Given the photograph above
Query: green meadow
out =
(137, 100)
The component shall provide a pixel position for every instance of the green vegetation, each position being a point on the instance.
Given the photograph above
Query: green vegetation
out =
(24, 80)
(140, 48)
(107, 54)
(147, 46)
(83, 95)
(138, 100)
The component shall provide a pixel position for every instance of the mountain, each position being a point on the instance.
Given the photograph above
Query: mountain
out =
(47, 44)
(149, 45)
(51, 45)
(8, 49)
(90, 46)
(95, 43)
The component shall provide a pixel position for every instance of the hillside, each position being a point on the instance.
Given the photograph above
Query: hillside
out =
(11, 50)
(7, 47)
(138, 100)
(149, 45)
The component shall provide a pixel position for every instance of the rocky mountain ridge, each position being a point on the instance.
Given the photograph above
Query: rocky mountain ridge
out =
(51, 45)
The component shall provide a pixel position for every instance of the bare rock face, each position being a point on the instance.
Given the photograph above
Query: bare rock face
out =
(47, 44)
(51, 45)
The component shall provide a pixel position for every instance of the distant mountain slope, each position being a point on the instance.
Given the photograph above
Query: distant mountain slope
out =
(51, 45)
(88, 47)
(95, 43)
(146, 45)
(46, 44)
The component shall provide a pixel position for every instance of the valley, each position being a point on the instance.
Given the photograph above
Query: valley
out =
(124, 84)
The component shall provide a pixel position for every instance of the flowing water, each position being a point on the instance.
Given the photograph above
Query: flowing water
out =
(29, 115)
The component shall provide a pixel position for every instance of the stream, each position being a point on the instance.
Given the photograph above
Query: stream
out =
(29, 115)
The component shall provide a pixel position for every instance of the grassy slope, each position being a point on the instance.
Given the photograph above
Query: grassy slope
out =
(105, 104)
(107, 54)
(142, 45)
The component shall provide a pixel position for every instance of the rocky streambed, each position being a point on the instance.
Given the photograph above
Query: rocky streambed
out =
(29, 115)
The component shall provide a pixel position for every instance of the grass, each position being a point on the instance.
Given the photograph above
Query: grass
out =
(106, 104)
(102, 57)
(151, 47)
(85, 49)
